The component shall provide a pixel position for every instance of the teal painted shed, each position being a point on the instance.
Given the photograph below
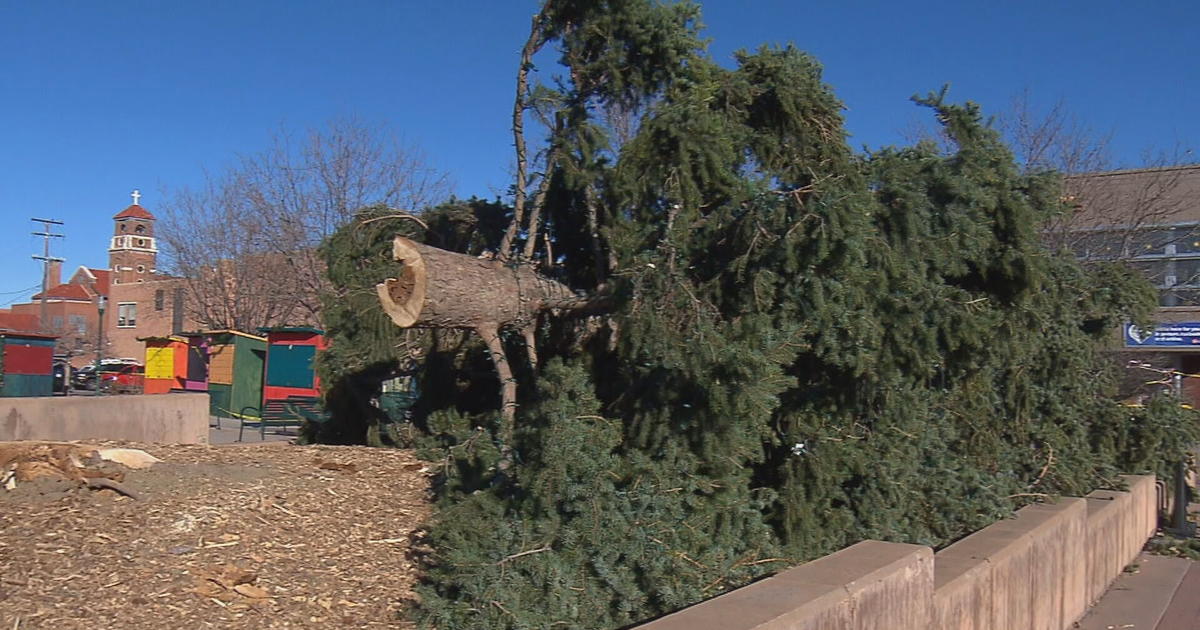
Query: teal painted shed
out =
(291, 362)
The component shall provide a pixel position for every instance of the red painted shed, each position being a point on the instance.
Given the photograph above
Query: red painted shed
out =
(26, 364)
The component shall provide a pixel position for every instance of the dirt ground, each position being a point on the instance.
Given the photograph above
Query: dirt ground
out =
(255, 536)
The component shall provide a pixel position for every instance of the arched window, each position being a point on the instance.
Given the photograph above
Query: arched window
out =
(140, 229)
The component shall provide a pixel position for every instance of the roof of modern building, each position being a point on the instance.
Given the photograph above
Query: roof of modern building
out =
(1135, 197)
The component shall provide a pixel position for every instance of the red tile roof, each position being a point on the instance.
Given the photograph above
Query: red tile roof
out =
(103, 280)
(67, 292)
(18, 322)
(134, 212)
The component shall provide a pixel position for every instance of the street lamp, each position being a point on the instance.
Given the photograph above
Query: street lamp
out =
(100, 304)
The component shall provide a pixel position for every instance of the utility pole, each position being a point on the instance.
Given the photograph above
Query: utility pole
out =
(46, 259)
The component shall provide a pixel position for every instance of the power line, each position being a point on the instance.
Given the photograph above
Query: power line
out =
(18, 297)
(25, 290)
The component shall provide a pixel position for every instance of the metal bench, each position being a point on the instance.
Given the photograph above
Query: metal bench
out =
(292, 411)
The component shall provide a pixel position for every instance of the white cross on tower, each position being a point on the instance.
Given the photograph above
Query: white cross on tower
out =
(136, 195)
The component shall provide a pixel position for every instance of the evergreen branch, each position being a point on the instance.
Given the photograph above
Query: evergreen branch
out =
(743, 563)
(524, 553)
(397, 215)
(1046, 468)
(684, 556)
(501, 607)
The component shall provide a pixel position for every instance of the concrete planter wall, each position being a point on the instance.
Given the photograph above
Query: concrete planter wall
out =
(1040, 569)
(166, 419)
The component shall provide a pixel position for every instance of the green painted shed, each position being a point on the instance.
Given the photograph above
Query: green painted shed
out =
(235, 372)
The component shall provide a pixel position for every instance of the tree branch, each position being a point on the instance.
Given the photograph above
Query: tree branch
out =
(532, 45)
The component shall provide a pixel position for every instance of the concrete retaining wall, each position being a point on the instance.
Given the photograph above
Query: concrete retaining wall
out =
(167, 419)
(1023, 572)
(1118, 525)
(869, 585)
(1038, 570)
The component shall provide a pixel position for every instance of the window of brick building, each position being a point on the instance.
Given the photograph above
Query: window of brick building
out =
(127, 315)
(159, 297)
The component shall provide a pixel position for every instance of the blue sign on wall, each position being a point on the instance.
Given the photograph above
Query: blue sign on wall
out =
(1163, 335)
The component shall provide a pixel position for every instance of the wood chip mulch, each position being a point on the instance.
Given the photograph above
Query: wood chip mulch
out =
(256, 536)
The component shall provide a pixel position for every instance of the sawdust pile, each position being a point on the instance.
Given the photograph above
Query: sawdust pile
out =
(261, 536)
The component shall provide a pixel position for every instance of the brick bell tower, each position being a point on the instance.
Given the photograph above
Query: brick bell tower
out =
(133, 255)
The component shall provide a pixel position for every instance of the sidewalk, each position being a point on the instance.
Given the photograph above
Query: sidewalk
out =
(1160, 594)
(228, 433)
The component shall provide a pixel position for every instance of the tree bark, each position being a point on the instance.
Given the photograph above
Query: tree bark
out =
(508, 384)
(436, 288)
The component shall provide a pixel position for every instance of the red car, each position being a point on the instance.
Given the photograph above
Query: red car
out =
(121, 379)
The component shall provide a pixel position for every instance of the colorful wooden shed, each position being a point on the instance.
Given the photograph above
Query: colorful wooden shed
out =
(195, 377)
(166, 364)
(235, 372)
(26, 364)
(291, 372)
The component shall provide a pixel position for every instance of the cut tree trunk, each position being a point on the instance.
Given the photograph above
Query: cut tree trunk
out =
(442, 289)
(436, 288)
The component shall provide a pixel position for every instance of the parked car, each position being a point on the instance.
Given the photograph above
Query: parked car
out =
(122, 379)
(85, 377)
(82, 377)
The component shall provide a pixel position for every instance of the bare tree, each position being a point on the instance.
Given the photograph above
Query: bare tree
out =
(1112, 213)
(1054, 139)
(247, 241)
(212, 238)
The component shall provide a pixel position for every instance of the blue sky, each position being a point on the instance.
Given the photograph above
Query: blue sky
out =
(100, 98)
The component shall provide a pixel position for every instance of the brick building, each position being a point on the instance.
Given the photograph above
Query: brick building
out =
(71, 312)
(140, 301)
(17, 322)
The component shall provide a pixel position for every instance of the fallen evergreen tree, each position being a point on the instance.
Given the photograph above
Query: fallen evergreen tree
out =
(798, 346)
